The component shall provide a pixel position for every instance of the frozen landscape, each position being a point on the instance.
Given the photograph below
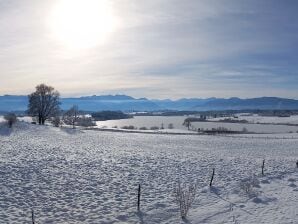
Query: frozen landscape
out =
(148, 112)
(269, 124)
(85, 176)
(254, 118)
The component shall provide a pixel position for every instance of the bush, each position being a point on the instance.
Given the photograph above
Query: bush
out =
(170, 126)
(244, 130)
(248, 186)
(185, 196)
(154, 128)
(11, 119)
(56, 121)
(143, 128)
(131, 127)
(85, 122)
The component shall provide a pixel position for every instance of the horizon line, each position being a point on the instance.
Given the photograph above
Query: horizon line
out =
(172, 99)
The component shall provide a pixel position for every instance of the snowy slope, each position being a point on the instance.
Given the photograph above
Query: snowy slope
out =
(73, 176)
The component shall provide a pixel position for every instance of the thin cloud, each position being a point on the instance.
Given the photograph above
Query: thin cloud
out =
(162, 48)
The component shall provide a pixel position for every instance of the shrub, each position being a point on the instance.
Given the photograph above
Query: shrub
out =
(131, 127)
(185, 196)
(85, 121)
(11, 119)
(143, 128)
(154, 128)
(248, 186)
(170, 126)
(244, 130)
(56, 121)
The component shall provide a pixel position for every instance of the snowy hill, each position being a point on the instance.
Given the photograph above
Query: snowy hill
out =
(75, 176)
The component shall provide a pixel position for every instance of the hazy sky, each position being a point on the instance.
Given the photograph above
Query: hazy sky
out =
(154, 49)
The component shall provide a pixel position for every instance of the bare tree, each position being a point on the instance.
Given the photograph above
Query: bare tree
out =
(11, 118)
(71, 116)
(44, 103)
(187, 123)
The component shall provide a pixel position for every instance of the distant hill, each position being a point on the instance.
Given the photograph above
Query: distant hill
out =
(128, 103)
(262, 103)
(87, 103)
(13, 103)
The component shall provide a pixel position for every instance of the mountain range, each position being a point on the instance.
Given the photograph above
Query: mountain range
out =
(128, 103)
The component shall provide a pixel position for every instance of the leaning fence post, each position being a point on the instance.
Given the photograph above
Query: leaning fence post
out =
(139, 196)
(263, 166)
(212, 177)
(32, 216)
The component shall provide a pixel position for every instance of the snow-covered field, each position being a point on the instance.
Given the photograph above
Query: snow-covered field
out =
(254, 118)
(73, 176)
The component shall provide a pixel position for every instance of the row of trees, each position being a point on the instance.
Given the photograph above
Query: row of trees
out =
(44, 104)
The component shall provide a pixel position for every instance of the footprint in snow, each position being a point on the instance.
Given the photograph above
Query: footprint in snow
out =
(265, 181)
(292, 185)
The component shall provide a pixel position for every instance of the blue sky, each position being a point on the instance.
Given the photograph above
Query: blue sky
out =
(158, 49)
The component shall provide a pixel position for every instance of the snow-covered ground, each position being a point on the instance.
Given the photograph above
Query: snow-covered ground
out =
(26, 119)
(254, 118)
(74, 176)
(158, 131)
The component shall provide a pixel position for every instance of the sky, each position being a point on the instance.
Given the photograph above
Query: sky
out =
(155, 49)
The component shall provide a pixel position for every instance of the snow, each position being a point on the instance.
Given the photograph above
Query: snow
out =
(177, 121)
(26, 119)
(86, 176)
(254, 118)
(158, 131)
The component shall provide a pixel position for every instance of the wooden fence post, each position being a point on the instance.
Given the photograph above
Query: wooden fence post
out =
(139, 196)
(32, 216)
(212, 177)
(263, 166)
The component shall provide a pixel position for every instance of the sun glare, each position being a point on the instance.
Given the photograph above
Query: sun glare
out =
(82, 23)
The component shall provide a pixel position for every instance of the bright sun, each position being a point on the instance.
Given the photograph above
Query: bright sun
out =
(80, 24)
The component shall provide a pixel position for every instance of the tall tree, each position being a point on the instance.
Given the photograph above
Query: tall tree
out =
(44, 103)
